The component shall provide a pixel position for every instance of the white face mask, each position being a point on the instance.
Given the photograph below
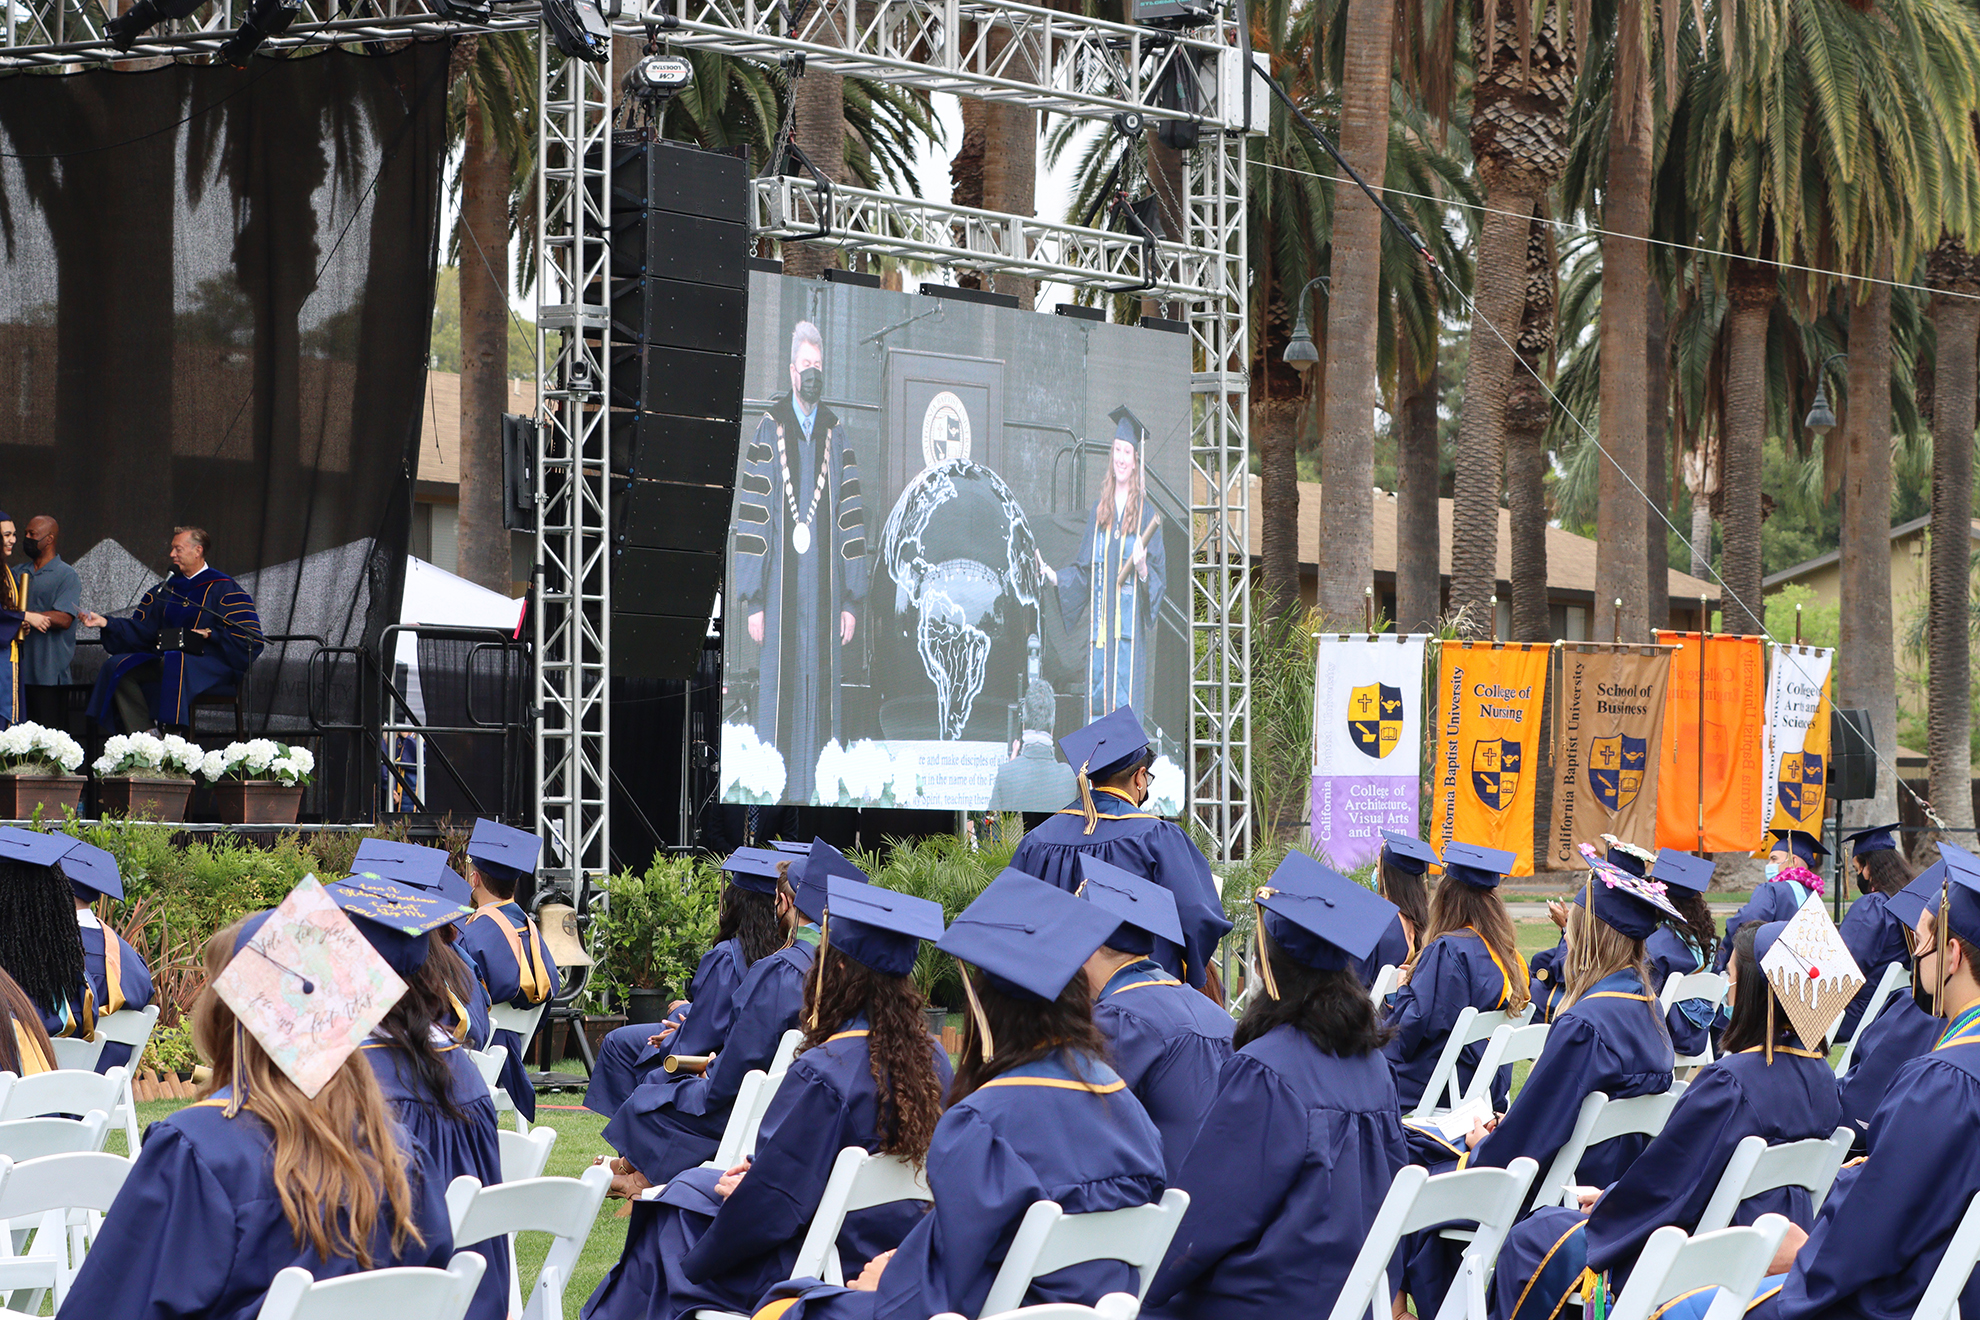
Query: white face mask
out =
(1773, 869)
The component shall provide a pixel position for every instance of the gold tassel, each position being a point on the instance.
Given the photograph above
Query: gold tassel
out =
(1264, 952)
(1770, 1028)
(818, 969)
(1942, 936)
(1086, 807)
(984, 1042)
(239, 1097)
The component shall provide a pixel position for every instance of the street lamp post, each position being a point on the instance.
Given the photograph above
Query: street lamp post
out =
(1300, 352)
(1821, 417)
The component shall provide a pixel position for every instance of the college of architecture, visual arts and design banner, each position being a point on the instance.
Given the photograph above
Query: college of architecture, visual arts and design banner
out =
(1794, 789)
(1608, 729)
(1732, 706)
(1487, 706)
(1367, 743)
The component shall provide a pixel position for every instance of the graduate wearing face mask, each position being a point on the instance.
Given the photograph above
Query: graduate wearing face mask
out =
(1876, 939)
(1791, 878)
(1902, 1030)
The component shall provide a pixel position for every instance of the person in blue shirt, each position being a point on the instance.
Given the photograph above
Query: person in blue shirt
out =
(1791, 877)
(1902, 1030)
(259, 1176)
(1167, 1041)
(1780, 1090)
(749, 929)
(118, 977)
(1399, 876)
(1035, 1114)
(41, 946)
(1875, 938)
(1299, 1147)
(1111, 758)
(1470, 959)
(502, 943)
(867, 1074)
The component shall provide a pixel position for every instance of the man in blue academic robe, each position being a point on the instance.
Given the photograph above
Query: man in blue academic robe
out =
(146, 685)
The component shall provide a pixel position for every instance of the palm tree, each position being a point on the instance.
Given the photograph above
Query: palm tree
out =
(1954, 274)
(1528, 408)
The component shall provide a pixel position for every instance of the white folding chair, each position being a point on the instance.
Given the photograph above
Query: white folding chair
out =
(489, 1063)
(1444, 1091)
(1894, 975)
(1601, 1119)
(1049, 1240)
(526, 1154)
(1756, 1167)
(1385, 985)
(1693, 985)
(1490, 1198)
(132, 1027)
(522, 1021)
(1941, 1298)
(68, 1194)
(752, 1102)
(1672, 1265)
(787, 1047)
(31, 1138)
(75, 1052)
(404, 1290)
(565, 1208)
(1509, 1044)
(1114, 1306)
(64, 1091)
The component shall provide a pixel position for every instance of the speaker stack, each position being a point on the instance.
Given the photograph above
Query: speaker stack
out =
(680, 298)
(1852, 756)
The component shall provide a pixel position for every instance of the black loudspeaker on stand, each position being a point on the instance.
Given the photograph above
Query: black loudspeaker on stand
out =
(1852, 778)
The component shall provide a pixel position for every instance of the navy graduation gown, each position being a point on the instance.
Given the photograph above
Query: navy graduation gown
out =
(449, 1147)
(208, 599)
(627, 1057)
(1142, 844)
(674, 1121)
(1876, 939)
(1548, 980)
(1285, 1178)
(496, 963)
(133, 989)
(1062, 1129)
(198, 1229)
(1773, 900)
(1392, 950)
(1670, 953)
(1168, 1044)
(1455, 971)
(1901, 1032)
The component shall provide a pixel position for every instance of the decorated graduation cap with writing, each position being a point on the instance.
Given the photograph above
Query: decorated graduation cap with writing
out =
(810, 887)
(1810, 970)
(395, 918)
(1683, 870)
(92, 871)
(503, 851)
(755, 869)
(412, 864)
(1801, 843)
(1628, 904)
(878, 928)
(1319, 917)
(1145, 909)
(1626, 856)
(1407, 853)
(1875, 838)
(1481, 868)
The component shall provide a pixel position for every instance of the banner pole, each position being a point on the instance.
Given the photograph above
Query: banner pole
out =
(1704, 623)
(1368, 608)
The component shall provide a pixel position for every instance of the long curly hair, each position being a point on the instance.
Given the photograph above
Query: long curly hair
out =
(1330, 1008)
(409, 1027)
(899, 1049)
(1697, 924)
(750, 919)
(1025, 1030)
(15, 1004)
(40, 946)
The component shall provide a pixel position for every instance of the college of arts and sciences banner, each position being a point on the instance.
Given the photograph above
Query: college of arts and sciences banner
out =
(1487, 705)
(1367, 743)
(1608, 728)
(1732, 706)
(1796, 767)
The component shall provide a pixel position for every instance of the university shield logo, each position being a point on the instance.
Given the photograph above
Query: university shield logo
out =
(1798, 786)
(1375, 718)
(1615, 769)
(1495, 764)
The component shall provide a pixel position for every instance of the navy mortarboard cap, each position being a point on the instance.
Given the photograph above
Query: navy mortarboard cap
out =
(32, 846)
(395, 918)
(1028, 937)
(1876, 838)
(1911, 903)
(1105, 744)
(412, 864)
(91, 871)
(1960, 914)
(503, 851)
(879, 928)
(1765, 937)
(1629, 904)
(755, 869)
(786, 845)
(1801, 843)
(1627, 857)
(1683, 870)
(1127, 426)
(1144, 909)
(1481, 868)
(1406, 853)
(824, 863)
(1320, 918)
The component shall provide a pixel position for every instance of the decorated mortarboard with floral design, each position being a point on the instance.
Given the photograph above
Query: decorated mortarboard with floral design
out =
(1628, 903)
(1626, 856)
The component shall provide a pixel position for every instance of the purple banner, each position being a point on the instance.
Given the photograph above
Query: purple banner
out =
(1351, 811)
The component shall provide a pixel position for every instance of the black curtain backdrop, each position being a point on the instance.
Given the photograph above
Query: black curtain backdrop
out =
(214, 310)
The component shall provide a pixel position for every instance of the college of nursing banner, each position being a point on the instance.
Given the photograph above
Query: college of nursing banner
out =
(1608, 730)
(1367, 743)
(1487, 706)
(1794, 787)
(1726, 691)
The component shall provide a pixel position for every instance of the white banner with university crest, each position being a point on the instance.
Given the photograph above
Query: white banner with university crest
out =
(1367, 743)
(1796, 763)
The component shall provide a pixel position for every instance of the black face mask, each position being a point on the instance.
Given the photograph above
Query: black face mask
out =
(30, 547)
(1862, 883)
(1925, 999)
(811, 386)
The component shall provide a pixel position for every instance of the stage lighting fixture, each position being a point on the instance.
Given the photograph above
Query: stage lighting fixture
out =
(464, 11)
(658, 77)
(580, 29)
(268, 18)
(127, 27)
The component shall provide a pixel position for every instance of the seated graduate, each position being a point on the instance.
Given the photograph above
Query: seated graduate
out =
(24, 1045)
(1885, 1225)
(273, 1168)
(502, 943)
(1791, 878)
(868, 1074)
(1902, 1030)
(1876, 939)
(432, 1086)
(40, 944)
(1469, 959)
(117, 976)
(1167, 1041)
(1035, 1114)
(674, 1121)
(748, 930)
(1399, 872)
(1767, 1084)
(426, 869)
(1304, 1137)
(1680, 947)
(1112, 759)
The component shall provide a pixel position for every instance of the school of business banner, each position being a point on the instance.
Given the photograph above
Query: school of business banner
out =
(1608, 728)
(1727, 692)
(1487, 703)
(1796, 767)
(1367, 743)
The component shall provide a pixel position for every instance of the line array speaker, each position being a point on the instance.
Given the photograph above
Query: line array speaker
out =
(1852, 756)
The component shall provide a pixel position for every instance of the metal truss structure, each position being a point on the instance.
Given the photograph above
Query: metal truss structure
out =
(1046, 59)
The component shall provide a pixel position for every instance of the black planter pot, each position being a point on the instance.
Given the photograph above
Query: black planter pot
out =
(646, 1005)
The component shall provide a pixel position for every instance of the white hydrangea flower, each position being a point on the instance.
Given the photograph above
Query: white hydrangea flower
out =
(214, 766)
(302, 758)
(16, 743)
(104, 766)
(68, 752)
(116, 747)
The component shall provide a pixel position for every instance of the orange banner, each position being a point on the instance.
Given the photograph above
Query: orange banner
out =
(1734, 710)
(1488, 703)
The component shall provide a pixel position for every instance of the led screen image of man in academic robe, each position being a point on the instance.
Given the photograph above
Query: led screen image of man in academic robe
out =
(800, 564)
